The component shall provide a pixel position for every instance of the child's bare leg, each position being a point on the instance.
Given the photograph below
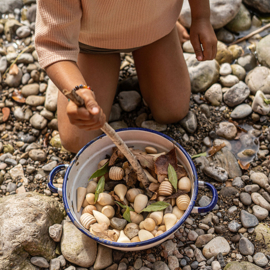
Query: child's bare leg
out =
(164, 78)
(182, 32)
(101, 72)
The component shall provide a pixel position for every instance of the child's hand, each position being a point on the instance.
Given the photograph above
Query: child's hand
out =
(201, 32)
(89, 117)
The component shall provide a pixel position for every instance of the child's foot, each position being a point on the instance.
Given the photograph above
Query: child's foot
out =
(182, 33)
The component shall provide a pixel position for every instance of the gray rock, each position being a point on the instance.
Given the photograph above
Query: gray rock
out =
(238, 71)
(260, 259)
(225, 159)
(35, 100)
(55, 264)
(192, 235)
(248, 62)
(153, 125)
(261, 5)
(25, 78)
(262, 51)
(242, 266)
(204, 201)
(159, 265)
(31, 13)
(62, 260)
(198, 255)
(25, 58)
(14, 80)
(189, 123)
(8, 6)
(38, 121)
(37, 155)
(202, 240)
(11, 161)
(241, 22)
(104, 258)
(227, 130)
(118, 125)
(248, 220)
(236, 94)
(228, 191)
(49, 166)
(229, 80)
(234, 226)
(16, 172)
(217, 173)
(214, 94)
(220, 141)
(36, 213)
(23, 31)
(260, 212)
(30, 89)
(245, 198)
(259, 179)
(118, 223)
(225, 36)
(241, 111)
(238, 183)
(115, 113)
(71, 268)
(53, 124)
(76, 247)
(222, 12)
(202, 74)
(40, 262)
(169, 246)
(216, 246)
(3, 64)
(252, 188)
(138, 263)
(246, 247)
(259, 79)
(51, 97)
(129, 100)
(258, 104)
(47, 114)
(55, 232)
(11, 187)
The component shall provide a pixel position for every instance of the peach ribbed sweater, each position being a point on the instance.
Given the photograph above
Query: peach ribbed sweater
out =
(110, 24)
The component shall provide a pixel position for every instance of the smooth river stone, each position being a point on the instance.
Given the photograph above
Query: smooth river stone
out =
(241, 111)
(215, 246)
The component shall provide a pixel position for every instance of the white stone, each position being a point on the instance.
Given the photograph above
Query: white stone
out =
(260, 200)
(229, 80)
(51, 97)
(225, 69)
(260, 212)
(258, 104)
(215, 246)
(104, 258)
(215, 265)
(17, 171)
(214, 94)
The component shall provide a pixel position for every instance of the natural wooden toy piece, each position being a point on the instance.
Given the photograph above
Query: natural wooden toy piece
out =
(81, 192)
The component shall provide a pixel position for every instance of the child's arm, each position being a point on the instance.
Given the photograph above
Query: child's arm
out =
(57, 32)
(201, 31)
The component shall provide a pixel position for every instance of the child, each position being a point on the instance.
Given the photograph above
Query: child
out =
(79, 43)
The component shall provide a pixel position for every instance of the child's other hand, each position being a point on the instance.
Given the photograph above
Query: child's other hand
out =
(201, 32)
(91, 116)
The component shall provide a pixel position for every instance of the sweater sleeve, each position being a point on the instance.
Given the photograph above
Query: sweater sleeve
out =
(57, 30)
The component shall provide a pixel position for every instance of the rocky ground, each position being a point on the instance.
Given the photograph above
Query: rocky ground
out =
(229, 104)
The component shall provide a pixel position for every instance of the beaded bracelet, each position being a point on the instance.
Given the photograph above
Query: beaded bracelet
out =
(77, 87)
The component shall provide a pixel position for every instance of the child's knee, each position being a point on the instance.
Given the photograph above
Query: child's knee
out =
(169, 116)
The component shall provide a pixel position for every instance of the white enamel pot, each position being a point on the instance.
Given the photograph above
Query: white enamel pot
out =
(87, 159)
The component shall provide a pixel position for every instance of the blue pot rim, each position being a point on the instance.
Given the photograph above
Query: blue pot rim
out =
(136, 244)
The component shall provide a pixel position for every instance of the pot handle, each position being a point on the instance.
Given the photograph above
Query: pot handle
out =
(51, 177)
(212, 204)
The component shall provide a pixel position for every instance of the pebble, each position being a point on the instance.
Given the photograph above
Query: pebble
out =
(138, 263)
(203, 240)
(229, 80)
(234, 226)
(246, 247)
(248, 220)
(118, 223)
(215, 265)
(225, 69)
(217, 173)
(40, 262)
(260, 259)
(129, 100)
(260, 212)
(259, 179)
(49, 166)
(35, 100)
(51, 97)
(238, 71)
(37, 155)
(248, 62)
(115, 114)
(23, 31)
(189, 123)
(259, 200)
(238, 183)
(153, 125)
(198, 255)
(11, 187)
(227, 130)
(192, 235)
(55, 231)
(252, 188)
(241, 111)
(215, 246)
(204, 201)
(173, 263)
(214, 94)
(38, 121)
(3, 64)
(258, 104)
(245, 198)
(159, 265)
(236, 94)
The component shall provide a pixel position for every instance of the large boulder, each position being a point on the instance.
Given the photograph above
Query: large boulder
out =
(222, 12)
(24, 221)
(261, 5)
(202, 74)
(263, 49)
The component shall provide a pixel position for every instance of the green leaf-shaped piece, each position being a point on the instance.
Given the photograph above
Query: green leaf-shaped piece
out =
(267, 101)
(157, 206)
(172, 176)
(204, 154)
(122, 205)
(100, 187)
(101, 171)
(126, 215)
